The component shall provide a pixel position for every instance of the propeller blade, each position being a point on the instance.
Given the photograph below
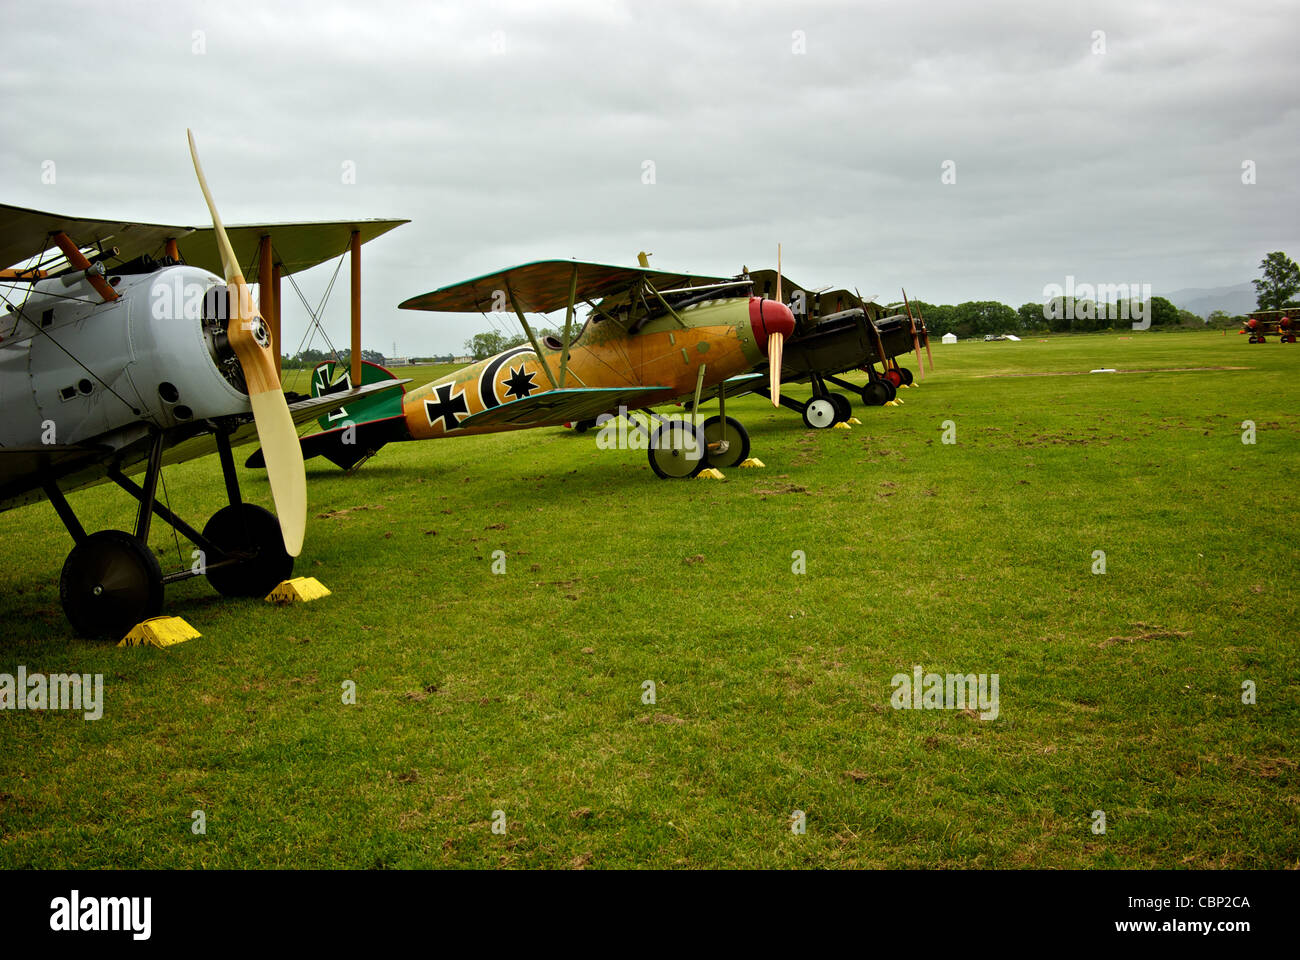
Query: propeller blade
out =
(926, 331)
(251, 341)
(775, 349)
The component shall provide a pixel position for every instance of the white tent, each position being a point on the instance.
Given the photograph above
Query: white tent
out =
(950, 338)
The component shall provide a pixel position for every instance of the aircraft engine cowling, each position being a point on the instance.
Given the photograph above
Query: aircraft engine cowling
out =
(156, 355)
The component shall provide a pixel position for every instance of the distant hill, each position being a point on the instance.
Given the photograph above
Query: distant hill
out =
(1202, 301)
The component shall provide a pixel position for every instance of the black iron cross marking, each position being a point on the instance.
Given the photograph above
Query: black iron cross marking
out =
(324, 388)
(520, 384)
(446, 407)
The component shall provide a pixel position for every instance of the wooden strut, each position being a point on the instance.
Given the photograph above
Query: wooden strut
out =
(266, 295)
(658, 296)
(356, 307)
(568, 326)
(876, 342)
(276, 273)
(916, 343)
(78, 261)
(532, 337)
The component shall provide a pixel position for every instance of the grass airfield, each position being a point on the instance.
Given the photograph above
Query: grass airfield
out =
(522, 692)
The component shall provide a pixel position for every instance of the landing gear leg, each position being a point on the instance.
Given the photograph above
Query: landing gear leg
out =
(247, 537)
(111, 580)
(726, 442)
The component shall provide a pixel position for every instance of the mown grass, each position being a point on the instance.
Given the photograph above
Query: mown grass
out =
(523, 692)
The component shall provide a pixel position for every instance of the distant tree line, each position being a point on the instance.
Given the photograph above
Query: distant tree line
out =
(306, 359)
(1276, 290)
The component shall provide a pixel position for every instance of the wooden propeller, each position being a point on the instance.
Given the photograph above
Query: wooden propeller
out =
(775, 344)
(251, 340)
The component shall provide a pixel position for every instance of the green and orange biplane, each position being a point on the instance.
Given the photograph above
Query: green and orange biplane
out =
(650, 337)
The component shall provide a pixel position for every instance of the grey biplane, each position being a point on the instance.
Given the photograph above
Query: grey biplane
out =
(130, 346)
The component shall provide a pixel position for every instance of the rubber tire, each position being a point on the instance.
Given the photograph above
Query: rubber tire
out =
(877, 393)
(667, 441)
(248, 528)
(907, 376)
(133, 593)
(843, 406)
(738, 438)
(819, 414)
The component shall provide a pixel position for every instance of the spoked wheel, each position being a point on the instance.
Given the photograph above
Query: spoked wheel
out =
(675, 451)
(877, 393)
(253, 534)
(110, 582)
(728, 431)
(843, 408)
(819, 413)
(906, 374)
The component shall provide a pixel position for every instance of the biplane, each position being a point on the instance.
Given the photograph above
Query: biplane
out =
(838, 331)
(130, 346)
(649, 337)
(1263, 324)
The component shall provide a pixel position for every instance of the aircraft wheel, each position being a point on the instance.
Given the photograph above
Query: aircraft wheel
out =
(819, 414)
(253, 532)
(906, 374)
(582, 426)
(877, 393)
(894, 377)
(843, 408)
(737, 441)
(675, 451)
(110, 582)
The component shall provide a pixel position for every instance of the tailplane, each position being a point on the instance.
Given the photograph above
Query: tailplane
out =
(353, 433)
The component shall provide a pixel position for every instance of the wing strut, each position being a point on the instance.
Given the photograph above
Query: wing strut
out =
(532, 337)
(78, 260)
(568, 326)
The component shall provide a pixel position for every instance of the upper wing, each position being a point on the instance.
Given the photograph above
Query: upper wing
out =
(543, 286)
(26, 233)
(559, 406)
(765, 285)
(298, 246)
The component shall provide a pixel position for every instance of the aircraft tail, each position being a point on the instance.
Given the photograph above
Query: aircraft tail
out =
(352, 433)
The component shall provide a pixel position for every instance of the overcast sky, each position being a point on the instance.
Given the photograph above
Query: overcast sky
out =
(516, 131)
